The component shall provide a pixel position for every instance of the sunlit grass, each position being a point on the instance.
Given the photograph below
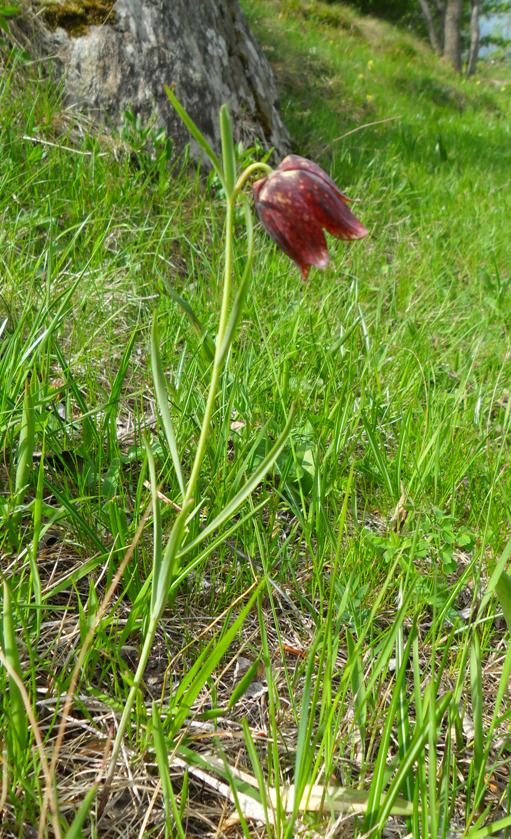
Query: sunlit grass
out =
(374, 660)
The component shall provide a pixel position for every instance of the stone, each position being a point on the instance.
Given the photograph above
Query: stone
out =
(118, 56)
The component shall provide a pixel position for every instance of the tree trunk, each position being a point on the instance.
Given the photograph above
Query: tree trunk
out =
(434, 37)
(474, 37)
(117, 55)
(452, 33)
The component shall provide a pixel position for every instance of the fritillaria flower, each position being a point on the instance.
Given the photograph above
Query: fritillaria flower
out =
(295, 202)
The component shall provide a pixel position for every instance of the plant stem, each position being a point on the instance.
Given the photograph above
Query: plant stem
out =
(176, 535)
(247, 173)
(218, 360)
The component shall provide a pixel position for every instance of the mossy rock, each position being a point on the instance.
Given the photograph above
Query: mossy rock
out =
(75, 16)
(115, 57)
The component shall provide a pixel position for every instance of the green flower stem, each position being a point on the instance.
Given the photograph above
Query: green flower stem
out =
(247, 173)
(176, 536)
(219, 355)
(137, 680)
(225, 334)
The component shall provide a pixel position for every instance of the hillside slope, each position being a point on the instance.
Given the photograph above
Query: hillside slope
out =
(373, 659)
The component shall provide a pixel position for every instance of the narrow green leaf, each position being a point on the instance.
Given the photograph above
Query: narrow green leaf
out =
(157, 535)
(504, 682)
(73, 507)
(35, 580)
(380, 665)
(235, 503)
(496, 574)
(500, 583)
(90, 431)
(380, 456)
(380, 766)
(173, 818)
(81, 571)
(167, 566)
(304, 753)
(26, 442)
(247, 833)
(18, 722)
(417, 745)
(196, 133)
(357, 684)
(243, 685)
(476, 691)
(163, 405)
(220, 539)
(75, 829)
(503, 592)
(115, 391)
(38, 341)
(193, 681)
(228, 156)
(490, 829)
(9, 11)
(403, 724)
(207, 344)
(256, 766)
(420, 816)
(432, 760)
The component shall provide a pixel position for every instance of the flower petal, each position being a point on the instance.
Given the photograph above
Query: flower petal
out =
(304, 244)
(295, 203)
(294, 162)
(323, 203)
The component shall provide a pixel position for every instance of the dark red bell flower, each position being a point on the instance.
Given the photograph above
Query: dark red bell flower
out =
(295, 202)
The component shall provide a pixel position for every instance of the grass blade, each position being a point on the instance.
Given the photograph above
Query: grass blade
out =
(380, 767)
(257, 768)
(503, 592)
(26, 442)
(235, 503)
(75, 829)
(157, 535)
(199, 673)
(417, 745)
(476, 691)
(172, 815)
(196, 133)
(207, 346)
(357, 685)
(35, 580)
(18, 722)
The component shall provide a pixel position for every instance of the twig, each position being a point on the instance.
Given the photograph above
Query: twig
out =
(157, 790)
(361, 127)
(50, 790)
(42, 142)
(164, 498)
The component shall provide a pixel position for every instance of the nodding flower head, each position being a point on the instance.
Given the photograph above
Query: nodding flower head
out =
(295, 202)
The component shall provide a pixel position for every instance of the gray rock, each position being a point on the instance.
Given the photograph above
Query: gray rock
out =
(203, 48)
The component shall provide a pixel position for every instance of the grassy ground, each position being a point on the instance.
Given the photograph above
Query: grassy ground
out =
(342, 630)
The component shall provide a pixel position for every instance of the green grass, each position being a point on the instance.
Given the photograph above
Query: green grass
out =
(353, 586)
